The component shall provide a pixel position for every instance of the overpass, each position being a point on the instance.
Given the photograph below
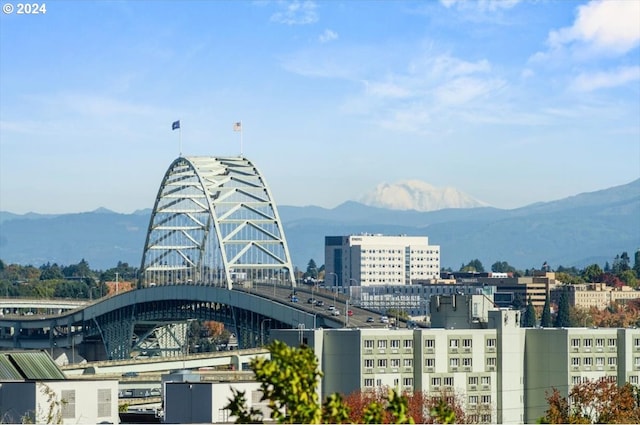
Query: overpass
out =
(215, 250)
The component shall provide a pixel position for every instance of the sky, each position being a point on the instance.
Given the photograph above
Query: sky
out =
(511, 102)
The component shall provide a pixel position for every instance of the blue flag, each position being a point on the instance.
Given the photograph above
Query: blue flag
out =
(175, 125)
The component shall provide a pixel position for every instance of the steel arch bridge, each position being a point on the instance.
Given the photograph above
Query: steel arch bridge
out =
(215, 223)
(214, 232)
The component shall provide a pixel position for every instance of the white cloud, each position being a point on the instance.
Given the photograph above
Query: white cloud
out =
(593, 81)
(602, 26)
(296, 13)
(328, 36)
(463, 90)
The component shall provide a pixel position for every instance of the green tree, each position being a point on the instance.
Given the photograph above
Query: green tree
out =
(50, 271)
(545, 319)
(562, 319)
(636, 263)
(529, 317)
(592, 273)
(629, 278)
(473, 266)
(502, 267)
(312, 269)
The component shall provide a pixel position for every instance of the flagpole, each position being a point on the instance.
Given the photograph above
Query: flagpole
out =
(180, 138)
(241, 139)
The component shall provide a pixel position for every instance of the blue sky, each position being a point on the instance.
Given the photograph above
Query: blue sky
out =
(511, 102)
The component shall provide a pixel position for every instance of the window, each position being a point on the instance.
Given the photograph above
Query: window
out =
(429, 343)
(485, 399)
(575, 361)
(588, 343)
(491, 361)
(575, 380)
(636, 361)
(104, 402)
(587, 361)
(448, 381)
(395, 362)
(407, 362)
(395, 343)
(473, 380)
(368, 343)
(68, 404)
(611, 342)
(612, 361)
(466, 343)
(636, 342)
(368, 363)
(575, 342)
(599, 342)
(436, 382)
(382, 362)
(599, 361)
(454, 362)
(382, 343)
(430, 362)
(408, 343)
(466, 362)
(633, 379)
(486, 419)
(407, 382)
(473, 399)
(485, 380)
(491, 343)
(368, 382)
(453, 343)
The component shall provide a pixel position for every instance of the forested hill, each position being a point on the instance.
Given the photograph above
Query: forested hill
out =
(576, 231)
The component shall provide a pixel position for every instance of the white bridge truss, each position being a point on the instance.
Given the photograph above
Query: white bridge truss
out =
(215, 223)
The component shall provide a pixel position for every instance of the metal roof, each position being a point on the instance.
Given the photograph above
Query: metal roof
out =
(29, 365)
(8, 372)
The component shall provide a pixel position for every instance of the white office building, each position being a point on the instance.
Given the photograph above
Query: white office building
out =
(368, 260)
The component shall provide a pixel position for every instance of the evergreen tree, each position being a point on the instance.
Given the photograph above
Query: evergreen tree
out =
(545, 320)
(562, 316)
(529, 318)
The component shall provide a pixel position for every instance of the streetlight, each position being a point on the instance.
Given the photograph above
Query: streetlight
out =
(262, 331)
(335, 285)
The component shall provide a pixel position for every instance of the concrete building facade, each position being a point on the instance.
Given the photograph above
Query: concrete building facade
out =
(502, 372)
(367, 259)
(65, 402)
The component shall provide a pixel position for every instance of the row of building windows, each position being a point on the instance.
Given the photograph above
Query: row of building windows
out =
(594, 342)
(395, 362)
(394, 343)
(456, 343)
(589, 361)
(430, 362)
(406, 382)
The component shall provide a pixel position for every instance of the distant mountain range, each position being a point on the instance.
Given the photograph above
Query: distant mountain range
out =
(576, 231)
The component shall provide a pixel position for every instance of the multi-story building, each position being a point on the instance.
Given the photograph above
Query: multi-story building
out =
(598, 295)
(501, 371)
(366, 260)
(507, 287)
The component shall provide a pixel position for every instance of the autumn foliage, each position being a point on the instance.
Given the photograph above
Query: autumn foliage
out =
(594, 401)
(422, 407)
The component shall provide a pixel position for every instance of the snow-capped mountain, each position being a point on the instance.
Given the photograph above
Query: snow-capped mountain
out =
(418, 195)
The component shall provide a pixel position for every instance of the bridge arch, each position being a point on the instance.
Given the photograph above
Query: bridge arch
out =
(215, 223)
